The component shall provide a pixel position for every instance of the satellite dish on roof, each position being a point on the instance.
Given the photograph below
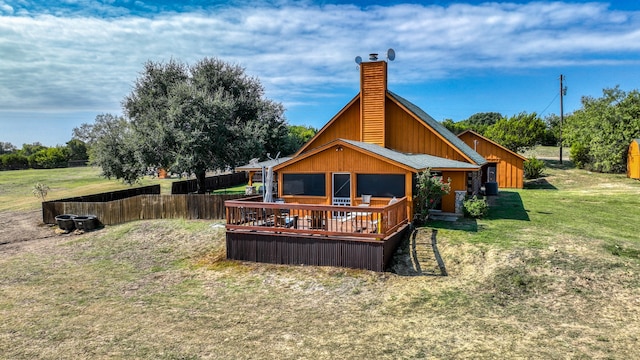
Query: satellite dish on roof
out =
(358, 60)
(391, 54)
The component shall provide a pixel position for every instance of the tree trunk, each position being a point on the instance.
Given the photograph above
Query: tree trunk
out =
(200, 176)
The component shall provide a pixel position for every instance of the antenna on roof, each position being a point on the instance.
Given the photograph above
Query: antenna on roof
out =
(358, 62)
(391, 54)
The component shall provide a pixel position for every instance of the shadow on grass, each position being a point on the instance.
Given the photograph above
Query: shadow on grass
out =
(464, 224)
(555, 164)
(507, 205)
(540, 184)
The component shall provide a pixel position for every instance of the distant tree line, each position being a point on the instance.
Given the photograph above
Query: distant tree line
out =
(598, 134)
(38, 156)
(517, 133)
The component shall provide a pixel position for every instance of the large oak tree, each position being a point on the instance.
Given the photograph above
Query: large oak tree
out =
(193, 119)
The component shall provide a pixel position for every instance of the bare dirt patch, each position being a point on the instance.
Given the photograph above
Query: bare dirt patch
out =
(20, 227)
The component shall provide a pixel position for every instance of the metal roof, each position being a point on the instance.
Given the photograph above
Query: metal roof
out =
(441, 129)
(492, 142)
(259, 165)
(416, 161)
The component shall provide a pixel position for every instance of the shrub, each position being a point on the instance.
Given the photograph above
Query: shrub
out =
(40, 190)
(14, 161)
(533, 168)
(49, 158)
(475, 208)
(580, 155)
(429, 191)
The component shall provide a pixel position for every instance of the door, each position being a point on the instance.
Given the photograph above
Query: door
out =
(341, 194)
(491, 173)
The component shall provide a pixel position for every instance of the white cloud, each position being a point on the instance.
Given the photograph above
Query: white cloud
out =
(87, 62)
(5, 8)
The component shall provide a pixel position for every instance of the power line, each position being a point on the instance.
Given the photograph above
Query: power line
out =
(552, 101)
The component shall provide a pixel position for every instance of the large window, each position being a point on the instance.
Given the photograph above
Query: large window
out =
(304, 184)
(381, 185)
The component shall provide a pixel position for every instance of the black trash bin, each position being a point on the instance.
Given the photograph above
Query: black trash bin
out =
(65, 222)
(491, 188)
(85, 223)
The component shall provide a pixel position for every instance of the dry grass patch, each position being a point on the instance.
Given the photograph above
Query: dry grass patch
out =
(161, 289)
(551, 275)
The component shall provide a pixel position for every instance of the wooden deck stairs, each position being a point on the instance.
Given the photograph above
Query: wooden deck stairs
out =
(424, 253)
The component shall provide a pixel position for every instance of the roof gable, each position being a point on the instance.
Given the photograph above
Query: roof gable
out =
(473, 133)
(450, 138)
(411, 162)
(308, 145)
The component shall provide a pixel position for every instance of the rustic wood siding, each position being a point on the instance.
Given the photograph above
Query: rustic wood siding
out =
(346, 160)
(345, 126)
(458, 183)
(509, 167)
(373, 92)
(633, 160)
(407, 134)
(292, 249)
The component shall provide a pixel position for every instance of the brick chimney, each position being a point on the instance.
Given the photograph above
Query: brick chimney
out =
(373, 92)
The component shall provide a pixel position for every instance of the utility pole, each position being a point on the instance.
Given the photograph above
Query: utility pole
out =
(563, 91)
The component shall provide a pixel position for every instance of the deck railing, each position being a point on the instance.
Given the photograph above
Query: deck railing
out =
(251, 214)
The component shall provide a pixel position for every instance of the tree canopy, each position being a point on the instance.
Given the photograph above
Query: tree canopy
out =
(518, 132)
(6, 147)
(600, 132)
(207, 116)
(478, 122)
(38, 156)
(297, 136)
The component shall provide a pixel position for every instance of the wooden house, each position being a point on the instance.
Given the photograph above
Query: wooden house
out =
(504, 166)
(346, 196)
(375, 146)
(633, 160)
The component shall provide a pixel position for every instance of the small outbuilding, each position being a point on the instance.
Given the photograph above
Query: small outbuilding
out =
(633, 160)
(504, 166)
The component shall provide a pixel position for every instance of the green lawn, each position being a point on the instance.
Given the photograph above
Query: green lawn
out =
(551, 273)
(567, 201)
(16, 186)
(548, 152)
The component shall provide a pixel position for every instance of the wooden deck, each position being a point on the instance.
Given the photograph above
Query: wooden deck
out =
(283, 233)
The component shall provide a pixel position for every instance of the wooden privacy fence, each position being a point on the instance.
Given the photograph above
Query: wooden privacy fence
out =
(114, 195)
(142, 207)
(211, 183)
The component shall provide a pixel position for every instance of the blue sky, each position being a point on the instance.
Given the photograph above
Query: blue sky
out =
(64, 62)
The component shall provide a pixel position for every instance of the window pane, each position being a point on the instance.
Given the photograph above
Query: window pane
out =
(381, 185)
(303, 184)
(342, 185)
